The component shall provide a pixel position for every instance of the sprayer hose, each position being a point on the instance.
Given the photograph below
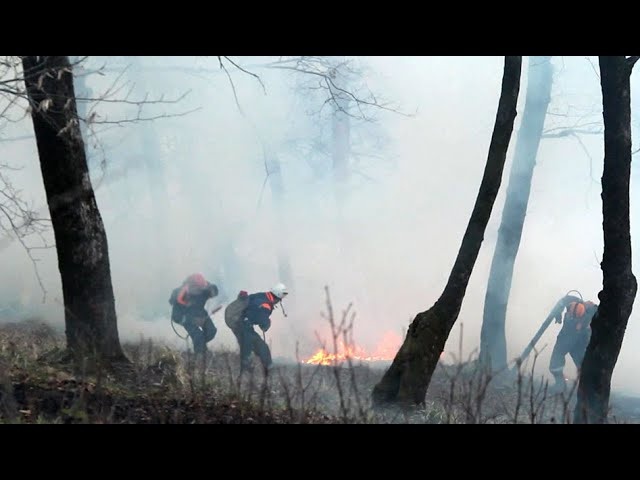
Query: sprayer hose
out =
(174, 329)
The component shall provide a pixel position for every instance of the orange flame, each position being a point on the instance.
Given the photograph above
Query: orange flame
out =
(385, 350)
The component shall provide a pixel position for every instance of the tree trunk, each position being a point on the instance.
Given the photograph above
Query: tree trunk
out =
(407, 379)
(81, 241)
(277, 191)
(83, 91)
(340, 149)
(150, 146)
(493, 342)
(618, 281)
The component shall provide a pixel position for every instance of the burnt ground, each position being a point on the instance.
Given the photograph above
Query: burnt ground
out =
(165, 386)
(162, 386)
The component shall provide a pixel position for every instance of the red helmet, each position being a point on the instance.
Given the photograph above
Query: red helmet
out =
(196, 280)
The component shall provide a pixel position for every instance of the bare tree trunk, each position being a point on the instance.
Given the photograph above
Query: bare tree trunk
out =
(81, 241)
(493, 342)
(619, 284)
(83, 91)
(153, 163)
(277, 191)
(340, 149)
(348, 241)
(407, 379)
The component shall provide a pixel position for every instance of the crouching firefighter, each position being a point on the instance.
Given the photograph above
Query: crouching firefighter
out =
(573, 339)
(247, 311)
(188, 302)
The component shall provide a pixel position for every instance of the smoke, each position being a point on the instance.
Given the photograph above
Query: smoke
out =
(403, 218)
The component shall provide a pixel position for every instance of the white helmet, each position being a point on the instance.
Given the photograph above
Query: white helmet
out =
(279, 290)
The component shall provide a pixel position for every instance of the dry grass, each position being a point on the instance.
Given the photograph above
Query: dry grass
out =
(169, 386)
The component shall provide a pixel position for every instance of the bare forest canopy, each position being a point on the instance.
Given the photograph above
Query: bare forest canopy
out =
(355, 173)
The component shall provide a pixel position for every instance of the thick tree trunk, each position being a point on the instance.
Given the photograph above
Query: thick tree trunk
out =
(493, 342)
(407, 379)
(618, 281)
(83, 91)
(81, 241)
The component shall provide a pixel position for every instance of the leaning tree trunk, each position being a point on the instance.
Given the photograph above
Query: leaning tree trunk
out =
(493, 342)
(81, 241)
(83, 91)
(618, 281)
(407, 379)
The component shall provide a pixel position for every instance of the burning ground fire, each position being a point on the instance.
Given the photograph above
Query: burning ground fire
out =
(385, 350)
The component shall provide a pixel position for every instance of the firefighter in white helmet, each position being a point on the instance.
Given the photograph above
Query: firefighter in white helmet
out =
(244, 313)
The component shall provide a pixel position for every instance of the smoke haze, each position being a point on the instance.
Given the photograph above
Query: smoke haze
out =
(190, 193)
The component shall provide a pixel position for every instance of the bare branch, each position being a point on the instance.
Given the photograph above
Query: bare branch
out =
(139, 118)
(335, 90)
(13, 209)
(565, 132)
(593, 67)
(245, 71)
(267, 175)
(17, 220)
(145, 101)
(233, 87)
(593, 180)
(631, 61)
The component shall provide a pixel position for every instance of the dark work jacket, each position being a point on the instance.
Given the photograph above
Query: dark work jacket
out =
(186, 305)
(259, 309)
(573, 325)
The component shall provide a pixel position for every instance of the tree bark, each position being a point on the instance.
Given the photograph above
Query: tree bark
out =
(619, 284)
(83, 91)
(81, 241)
(407, 379)
(493, 342)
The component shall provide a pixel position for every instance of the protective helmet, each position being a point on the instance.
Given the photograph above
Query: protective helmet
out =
(279, 290)
(196, 280)
(576, 309)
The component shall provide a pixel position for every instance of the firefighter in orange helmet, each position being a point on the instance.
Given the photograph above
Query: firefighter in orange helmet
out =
(572, 339)
(188, 309)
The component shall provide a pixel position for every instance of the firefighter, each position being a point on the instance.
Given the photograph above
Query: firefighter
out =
(572, 339)
(188, 309)
(248, 311)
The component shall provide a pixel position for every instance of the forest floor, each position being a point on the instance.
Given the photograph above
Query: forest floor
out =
(164, 385)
